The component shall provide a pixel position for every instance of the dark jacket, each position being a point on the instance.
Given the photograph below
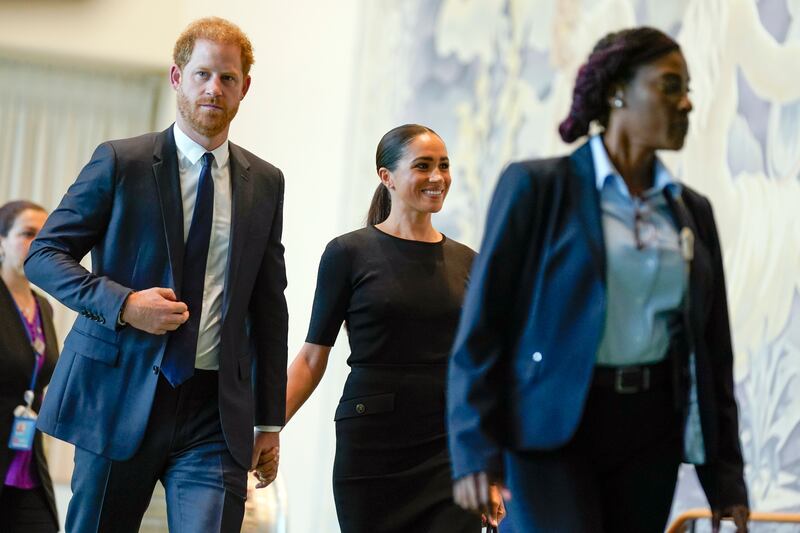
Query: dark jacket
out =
(538, 286)
(16, 367)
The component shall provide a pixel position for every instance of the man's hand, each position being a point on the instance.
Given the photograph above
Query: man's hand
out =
(155, 311)
(739, 513)
(477, 493)
(266, 455)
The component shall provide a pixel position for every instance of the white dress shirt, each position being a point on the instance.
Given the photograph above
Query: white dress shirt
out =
(190, 163)
(190, 156)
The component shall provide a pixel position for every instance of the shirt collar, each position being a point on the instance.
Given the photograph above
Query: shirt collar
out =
(604, 170)
(193, 152)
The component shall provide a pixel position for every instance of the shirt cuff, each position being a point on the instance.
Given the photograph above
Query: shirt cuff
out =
(269, 429)
(121, 323)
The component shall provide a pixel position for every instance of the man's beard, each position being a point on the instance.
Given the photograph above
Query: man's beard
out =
(201, 121)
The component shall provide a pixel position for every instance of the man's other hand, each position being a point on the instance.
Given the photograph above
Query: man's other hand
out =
(266, 455)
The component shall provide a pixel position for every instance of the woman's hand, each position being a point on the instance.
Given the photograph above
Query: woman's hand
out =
(475, 492)
(739, 513)
(497, 509)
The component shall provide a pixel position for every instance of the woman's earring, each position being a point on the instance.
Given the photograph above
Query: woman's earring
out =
(617, 102)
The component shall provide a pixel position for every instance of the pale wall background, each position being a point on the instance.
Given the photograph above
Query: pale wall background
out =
(295, 116)
(494, 78)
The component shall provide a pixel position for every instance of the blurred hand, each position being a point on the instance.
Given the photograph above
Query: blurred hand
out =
(474, 493)
(739, 513)
(266, 456)
(155, 311)
(497, 509)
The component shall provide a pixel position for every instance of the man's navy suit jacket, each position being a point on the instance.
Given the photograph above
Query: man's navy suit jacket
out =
(534, 315)
(126, 209)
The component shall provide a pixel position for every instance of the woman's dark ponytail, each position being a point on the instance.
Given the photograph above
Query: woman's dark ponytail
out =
(380, 207)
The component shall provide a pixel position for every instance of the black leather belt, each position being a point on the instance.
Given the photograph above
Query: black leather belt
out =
(631, 379)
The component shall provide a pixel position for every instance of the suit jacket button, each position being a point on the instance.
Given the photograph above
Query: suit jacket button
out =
(360, 408)
(156, 370)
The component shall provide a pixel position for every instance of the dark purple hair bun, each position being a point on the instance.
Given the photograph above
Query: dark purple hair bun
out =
(613, 60)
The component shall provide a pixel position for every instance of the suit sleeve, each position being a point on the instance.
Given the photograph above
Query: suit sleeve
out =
(723, 478)
(477, 375)
(71, 231)
(270, 323)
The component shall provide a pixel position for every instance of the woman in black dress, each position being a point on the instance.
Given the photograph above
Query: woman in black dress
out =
(398, 284)
(27, 340)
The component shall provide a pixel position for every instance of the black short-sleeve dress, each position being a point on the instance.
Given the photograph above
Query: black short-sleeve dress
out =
(400, 301)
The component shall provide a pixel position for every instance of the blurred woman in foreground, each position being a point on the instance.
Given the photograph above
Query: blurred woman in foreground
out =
(594, 351)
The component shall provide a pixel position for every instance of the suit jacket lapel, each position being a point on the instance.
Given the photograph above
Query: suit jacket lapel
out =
(684, 219)
(168, 184)
(242, 192)
(584, 190)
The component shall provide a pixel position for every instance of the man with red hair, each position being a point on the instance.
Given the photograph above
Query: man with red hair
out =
(180, 346)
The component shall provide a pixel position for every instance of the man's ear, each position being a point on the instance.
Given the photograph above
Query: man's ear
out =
(246, 86)
(175, 75)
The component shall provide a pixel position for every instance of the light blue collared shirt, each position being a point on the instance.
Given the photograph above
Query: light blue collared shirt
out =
(646, 279)
(645, 272)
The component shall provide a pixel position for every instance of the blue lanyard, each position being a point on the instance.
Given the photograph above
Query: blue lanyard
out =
(35, 371)
(37, 354)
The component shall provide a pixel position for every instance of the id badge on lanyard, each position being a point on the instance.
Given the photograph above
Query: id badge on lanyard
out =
(23, 428)
(23, 431)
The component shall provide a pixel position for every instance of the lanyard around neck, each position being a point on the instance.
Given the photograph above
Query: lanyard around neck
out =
(38, 347)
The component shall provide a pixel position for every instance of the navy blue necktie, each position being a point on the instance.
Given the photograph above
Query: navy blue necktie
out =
(178, 362)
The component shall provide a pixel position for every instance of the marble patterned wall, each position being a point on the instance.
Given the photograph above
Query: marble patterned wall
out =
(494, 78)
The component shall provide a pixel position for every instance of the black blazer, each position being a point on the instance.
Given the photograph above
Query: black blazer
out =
(16, 367)
(534, 314)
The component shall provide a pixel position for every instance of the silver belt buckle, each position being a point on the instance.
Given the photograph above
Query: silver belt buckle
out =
(643, 384)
